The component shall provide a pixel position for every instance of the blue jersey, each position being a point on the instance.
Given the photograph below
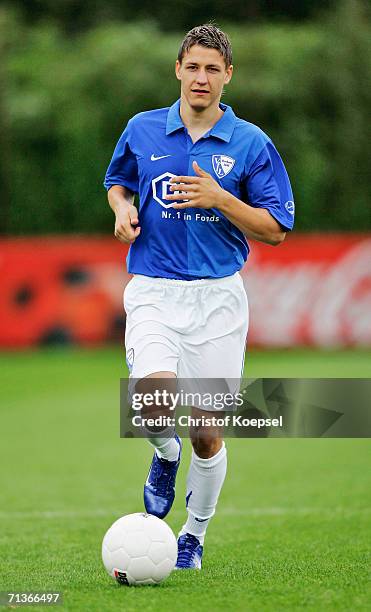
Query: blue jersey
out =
(194, 243)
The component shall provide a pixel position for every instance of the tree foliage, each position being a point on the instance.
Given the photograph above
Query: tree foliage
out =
(75, 16)
(64, 102)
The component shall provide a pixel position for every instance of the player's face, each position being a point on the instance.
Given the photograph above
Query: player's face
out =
(202, 74)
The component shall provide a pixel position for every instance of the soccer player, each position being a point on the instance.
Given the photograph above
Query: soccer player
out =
(207, 180)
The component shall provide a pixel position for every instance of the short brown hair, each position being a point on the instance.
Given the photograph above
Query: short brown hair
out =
(207, 35)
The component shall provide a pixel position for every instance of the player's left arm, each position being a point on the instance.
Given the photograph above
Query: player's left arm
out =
(203, 191)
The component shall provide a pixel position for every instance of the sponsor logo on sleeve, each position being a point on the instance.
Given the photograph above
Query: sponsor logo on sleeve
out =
(290, 207)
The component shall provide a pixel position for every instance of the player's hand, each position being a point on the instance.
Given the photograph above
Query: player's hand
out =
(201, 191)
(126, 225)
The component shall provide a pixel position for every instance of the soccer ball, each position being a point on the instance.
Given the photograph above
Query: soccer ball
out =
(139, 549)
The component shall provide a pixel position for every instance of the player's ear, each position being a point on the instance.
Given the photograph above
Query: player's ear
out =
(177, 70)
(228, 74)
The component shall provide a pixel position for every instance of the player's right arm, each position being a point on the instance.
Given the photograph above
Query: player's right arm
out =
(121, 200)
(122, 182)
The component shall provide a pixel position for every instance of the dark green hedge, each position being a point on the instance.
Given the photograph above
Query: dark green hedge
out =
(64, 102)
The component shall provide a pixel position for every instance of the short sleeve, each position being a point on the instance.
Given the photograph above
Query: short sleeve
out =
(267, 185)
(123, 168)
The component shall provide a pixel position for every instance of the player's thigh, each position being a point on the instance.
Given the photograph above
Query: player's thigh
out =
(216, 358)
(150, 351)
(217, 349)
(151, 346)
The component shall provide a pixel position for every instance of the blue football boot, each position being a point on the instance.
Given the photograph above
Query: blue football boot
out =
(189, 552)
(159, 489)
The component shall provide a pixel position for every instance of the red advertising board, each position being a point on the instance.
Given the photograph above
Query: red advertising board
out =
(312, 290)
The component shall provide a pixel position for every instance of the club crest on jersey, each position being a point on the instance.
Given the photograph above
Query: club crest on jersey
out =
(222, 165)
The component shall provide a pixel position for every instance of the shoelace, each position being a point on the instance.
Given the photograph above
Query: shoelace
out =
(162, 479)
(186, 549)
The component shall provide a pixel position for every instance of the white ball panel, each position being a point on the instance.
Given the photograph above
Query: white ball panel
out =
(158, 530)
(106, 558)
(114, 537)
(158, 552)
(142, 568)
(133, 521)
(163, 569)
(136, 544)
(172, 549)
(120, 560)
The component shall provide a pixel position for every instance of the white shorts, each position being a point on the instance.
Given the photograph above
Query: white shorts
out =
(195, 329)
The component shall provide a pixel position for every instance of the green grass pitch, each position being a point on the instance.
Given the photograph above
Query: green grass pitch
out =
(292, 530)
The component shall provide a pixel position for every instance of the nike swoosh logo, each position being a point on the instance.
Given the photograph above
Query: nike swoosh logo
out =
(187, 498)
(154, 158)
(200, 520)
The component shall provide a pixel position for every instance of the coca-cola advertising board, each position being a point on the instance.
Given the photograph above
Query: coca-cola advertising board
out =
(313, 290)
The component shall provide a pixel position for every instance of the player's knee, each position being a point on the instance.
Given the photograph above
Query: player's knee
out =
(206, 446)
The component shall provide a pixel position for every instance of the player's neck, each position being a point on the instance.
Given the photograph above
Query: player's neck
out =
(199, 122)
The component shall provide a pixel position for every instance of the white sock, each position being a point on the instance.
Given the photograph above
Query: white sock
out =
(166, 448)
(204, 482)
